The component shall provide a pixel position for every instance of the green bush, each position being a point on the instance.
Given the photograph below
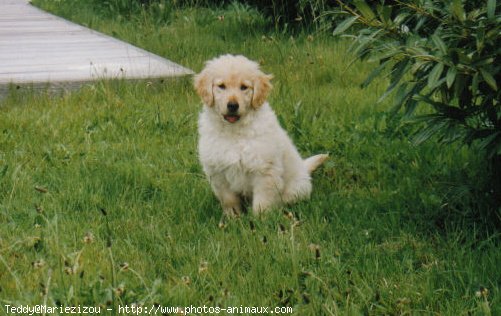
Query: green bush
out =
(443, 54)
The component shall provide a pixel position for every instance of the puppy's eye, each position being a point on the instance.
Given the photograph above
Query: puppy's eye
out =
(243, 87)
(221, 86)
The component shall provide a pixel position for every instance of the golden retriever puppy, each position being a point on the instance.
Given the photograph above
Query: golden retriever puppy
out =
(242, 148)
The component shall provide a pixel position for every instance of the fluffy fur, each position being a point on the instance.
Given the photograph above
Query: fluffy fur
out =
(242, 148)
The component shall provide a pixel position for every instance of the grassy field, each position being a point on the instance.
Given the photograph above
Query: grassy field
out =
(103, 202)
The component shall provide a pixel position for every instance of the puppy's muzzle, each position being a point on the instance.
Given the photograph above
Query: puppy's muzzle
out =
(232, 107)
(232, 112)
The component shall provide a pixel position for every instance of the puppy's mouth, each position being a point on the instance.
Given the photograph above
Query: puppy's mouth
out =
(232, 118)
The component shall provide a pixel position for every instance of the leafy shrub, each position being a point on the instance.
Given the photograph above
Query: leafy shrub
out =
(444, 54)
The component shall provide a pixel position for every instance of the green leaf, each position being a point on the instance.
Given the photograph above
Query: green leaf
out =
(483, 62)
(491, 141)
(458, 10)
(343, 26)
(459, 87)
(439, 43)
(445, 110)
(480, 36)
(400, 98)
(363, 42)
(487, 140)
(474, 84)
(400, 95)
(398, 71)
(387, 52)
(405, 96)
(364, 9)
(421, 20)
(374, 73)
(434, 75)
(489, 79)
(384, 13)
(400, 18)
(451, 76)
(410, 106)
(491, 8)
(418, 65)
(435, 123)
(419, 52)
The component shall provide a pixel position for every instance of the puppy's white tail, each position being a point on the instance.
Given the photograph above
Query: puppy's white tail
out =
(314, 162)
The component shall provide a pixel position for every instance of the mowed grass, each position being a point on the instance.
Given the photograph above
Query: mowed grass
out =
(103, 201)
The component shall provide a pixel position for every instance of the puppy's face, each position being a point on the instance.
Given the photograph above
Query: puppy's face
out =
(232, 96)
(232, 86)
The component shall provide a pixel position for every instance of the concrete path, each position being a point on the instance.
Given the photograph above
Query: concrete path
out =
(37, 48)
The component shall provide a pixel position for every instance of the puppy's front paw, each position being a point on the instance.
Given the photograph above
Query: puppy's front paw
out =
(228, 212)
(231, 212)
(260, 207)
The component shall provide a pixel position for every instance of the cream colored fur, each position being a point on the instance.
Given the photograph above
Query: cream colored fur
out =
(245, 153)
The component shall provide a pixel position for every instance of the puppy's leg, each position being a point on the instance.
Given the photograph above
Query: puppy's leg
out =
(230, 201)
(266, 193)
(297, 189)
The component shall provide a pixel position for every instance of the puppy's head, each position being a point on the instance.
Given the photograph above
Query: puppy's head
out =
(233, 86)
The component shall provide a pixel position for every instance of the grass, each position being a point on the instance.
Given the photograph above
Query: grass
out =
(103, 202)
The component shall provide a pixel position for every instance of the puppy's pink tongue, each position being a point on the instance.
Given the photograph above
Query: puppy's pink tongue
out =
(232, 118)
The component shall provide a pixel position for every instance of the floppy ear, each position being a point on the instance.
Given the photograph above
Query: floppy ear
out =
(203, 86)
(262, 87)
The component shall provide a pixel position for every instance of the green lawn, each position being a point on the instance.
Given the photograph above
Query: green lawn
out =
(103, 201)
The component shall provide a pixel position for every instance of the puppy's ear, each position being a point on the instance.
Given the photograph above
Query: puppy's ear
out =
(203, 86)
(262, 87)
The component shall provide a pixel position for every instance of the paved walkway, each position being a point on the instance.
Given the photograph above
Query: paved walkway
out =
(37, 47)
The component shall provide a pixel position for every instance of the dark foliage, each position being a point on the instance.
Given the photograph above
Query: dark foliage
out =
(282, 14)
(444, 54)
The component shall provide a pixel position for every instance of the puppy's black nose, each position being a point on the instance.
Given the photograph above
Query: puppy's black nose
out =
(232, 106)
